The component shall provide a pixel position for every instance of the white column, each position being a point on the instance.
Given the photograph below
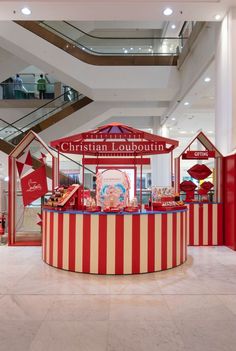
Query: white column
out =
(225, 63)
(161, 164)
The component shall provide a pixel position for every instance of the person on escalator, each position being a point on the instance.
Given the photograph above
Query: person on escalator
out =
(41, 86)
(18, 87)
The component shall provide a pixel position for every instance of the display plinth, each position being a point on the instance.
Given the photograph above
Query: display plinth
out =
(124, 243)
(205, 224)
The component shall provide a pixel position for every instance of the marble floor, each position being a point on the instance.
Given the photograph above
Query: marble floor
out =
(192, 307)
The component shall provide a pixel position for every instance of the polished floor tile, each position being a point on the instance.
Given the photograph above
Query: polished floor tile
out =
(71, 336)
(144, 335)
(139, 308)
(191, 307)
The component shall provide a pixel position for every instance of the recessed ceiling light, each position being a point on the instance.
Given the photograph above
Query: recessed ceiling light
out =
(210, 132)
(186, 103)
(207, 79)
(168, 11)
(173, 26)
(217, 17)
(182, 132)
(26, 11)
(125, 51)
(173, 119)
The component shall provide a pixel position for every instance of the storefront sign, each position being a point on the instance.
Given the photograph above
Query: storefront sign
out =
(112, 147)
(198, 155)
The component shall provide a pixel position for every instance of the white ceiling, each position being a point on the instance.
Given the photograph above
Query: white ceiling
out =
(188, 119)
(116, 10)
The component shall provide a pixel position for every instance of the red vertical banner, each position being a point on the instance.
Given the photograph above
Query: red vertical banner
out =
(220, 234)
(45, 234)
(151, 243)
(181, 236)
(200, 225)
(185, 233)
(119, 245)
(72, 221)
(86, 243)
(164, 241)
(210, 224)
(51, 214)
(102, 244)
(60, 241)
(135, 243)
(191, 224)
(174, 238)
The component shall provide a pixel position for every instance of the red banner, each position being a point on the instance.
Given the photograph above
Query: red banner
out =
(34, 185)
(198, 155)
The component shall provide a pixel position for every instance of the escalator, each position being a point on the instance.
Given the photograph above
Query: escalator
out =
(43, 117)
(107, 51)
(40, 119)
(7, 147)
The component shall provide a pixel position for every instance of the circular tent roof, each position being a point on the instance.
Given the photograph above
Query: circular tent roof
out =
(115, 139)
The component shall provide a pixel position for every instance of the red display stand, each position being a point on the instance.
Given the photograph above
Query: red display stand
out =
(230, 201)
(115, 240)
(114, 243)
(205, 219)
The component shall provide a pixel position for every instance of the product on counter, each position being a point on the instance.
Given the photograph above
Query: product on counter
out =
(63, 196)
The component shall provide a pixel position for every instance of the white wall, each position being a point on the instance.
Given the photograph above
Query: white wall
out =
(226, 84)
(152, 83)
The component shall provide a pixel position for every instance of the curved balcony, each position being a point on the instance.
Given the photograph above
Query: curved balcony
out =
(108, 51)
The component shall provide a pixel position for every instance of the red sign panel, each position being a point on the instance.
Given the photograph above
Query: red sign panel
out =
(198, 155)
(135, 147)
(116, 161)
(34, 185)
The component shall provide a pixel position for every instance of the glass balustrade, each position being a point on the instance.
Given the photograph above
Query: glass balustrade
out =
(9, 90)
(141, 46)
(9, 131)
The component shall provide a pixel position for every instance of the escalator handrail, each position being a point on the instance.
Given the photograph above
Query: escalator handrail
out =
(83, 46)
(9, 125)
(32, 112)
(48, 113)
(120, 38)
(55, 150)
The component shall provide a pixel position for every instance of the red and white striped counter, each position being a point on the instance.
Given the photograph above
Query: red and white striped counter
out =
(114, 243)
(205, 224)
